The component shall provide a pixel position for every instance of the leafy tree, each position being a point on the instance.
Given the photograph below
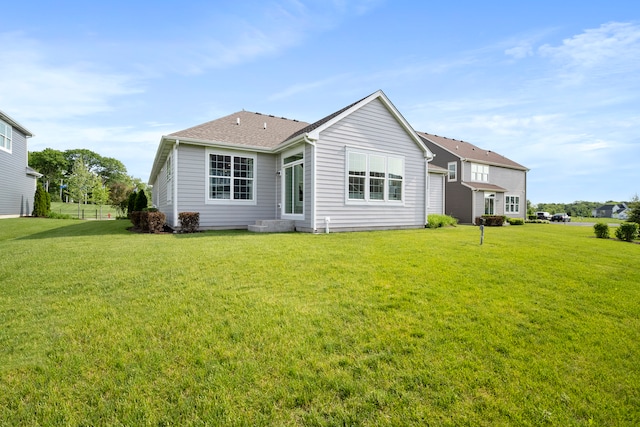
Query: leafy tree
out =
(119, 196)
(51, 164)
(99, 194)
(107, 168)
(81, 182)
(634, 204)
(41, 202)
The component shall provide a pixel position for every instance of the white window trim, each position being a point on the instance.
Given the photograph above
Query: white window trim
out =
(232, 153)
(481, 174)
(506, 204)
(367, 200)
(455, 171)
(8, 136)
(284, 155)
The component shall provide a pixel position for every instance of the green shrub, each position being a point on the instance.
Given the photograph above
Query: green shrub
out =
(57, 215)
(515, 221)
(627, 231)
(131, 204)
(437, 221)
(141, 201)
(602, 230)
(41, 202)
(189, 221)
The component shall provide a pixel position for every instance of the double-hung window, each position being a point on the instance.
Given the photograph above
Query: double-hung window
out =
(5, 136)
(452, 167)
(231, 177)
(512, 204)
(374, 177)
(479, 172)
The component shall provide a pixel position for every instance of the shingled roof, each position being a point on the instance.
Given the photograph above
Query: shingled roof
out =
(243, 128)
(468, 151)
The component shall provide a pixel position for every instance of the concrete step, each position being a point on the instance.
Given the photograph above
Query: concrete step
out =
(273, 226)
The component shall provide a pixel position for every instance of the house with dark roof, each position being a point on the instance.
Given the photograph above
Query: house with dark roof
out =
(361, 168)
(478, 181)
(612, 210)
(18, 180)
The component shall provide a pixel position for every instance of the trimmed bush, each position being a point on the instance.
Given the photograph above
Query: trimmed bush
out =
(515, 221)
(136, 217)
(602, 230)
(189, 221)
(491, 220)
(627, 231)
(153, 221)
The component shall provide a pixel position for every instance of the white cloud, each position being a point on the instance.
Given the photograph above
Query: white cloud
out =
(599, 53)
(33, 86)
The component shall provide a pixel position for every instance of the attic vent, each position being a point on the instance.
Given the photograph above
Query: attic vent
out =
(238, 121)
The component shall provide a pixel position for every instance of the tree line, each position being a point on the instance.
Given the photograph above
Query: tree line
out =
(583, 208)
(83, 176)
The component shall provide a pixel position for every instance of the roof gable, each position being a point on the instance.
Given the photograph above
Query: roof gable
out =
(313, 130)
(5, 118)
(467, 151)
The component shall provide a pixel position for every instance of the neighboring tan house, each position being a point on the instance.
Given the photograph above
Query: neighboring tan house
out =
(360, 168)
(478, 181)
(612, 210)
(17, 179)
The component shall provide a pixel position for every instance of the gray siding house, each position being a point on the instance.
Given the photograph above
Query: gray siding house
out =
(478, 181)
(360, 168)
(17, 179)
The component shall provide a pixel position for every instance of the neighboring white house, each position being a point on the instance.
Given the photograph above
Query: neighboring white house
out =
(17, 179)
(360, 168)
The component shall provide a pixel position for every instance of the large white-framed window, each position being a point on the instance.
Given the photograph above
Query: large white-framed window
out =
(479, 172)
(230, 177)
(374, 177)
(512, 204)
(293, 186)
(6, 136)
(452, 175)
(169, 178)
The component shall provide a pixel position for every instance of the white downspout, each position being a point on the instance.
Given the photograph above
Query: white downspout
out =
(313, 182)
(175, 184)
(426, 189)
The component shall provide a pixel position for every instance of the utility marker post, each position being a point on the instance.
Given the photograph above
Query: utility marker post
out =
(481, 234)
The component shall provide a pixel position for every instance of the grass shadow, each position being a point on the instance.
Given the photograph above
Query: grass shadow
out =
(79, 228)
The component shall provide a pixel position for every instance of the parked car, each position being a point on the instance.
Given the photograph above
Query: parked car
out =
(543, 215)
(561, 217)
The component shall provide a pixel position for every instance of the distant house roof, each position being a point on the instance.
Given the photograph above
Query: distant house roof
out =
(4, 117)
(467, 151)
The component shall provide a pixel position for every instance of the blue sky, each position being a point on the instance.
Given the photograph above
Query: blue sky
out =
(552, 85)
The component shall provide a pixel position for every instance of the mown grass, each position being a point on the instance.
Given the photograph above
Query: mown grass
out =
(538, 326)
(88, 211)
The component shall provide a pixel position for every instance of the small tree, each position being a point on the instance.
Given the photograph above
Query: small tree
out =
(141, 201)
(41, 202)
(99, 195)
(131, 203)
(81, 182)
(635, 210)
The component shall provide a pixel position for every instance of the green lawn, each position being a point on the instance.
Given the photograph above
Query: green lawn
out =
(538, 326)
(83, 211)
